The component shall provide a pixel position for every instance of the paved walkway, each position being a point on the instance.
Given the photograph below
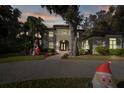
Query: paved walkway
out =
(53, 67)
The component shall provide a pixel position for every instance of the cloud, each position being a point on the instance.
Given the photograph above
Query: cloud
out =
(103, 7)
(49, 19)
(45, 16)
(86, 13)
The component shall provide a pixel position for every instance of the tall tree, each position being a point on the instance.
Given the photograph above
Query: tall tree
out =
(118, 19)
(8, 25)
(72, 17)
(9, 20)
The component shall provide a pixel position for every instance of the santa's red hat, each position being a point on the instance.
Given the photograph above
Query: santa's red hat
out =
(105, 68)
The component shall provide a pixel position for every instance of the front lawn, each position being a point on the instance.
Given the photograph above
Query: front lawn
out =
(50, 83)
(96, 57)
(56, 83)
(20, 58)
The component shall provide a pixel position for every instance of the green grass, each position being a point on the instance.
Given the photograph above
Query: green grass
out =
(50, 83)
(20, 58)
(96, 57)
(54, 83)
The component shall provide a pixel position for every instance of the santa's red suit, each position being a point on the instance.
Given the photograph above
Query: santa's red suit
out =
(38, 51)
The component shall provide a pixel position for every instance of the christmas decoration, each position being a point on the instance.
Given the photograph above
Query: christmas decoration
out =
(103, 76)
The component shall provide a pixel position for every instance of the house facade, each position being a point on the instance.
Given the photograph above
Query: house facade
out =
(111, 41)
(58, 38)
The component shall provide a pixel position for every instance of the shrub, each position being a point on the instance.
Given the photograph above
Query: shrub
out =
(47, 50)
(65, 56)
(117, 52)
(82, 52)
(102, 50)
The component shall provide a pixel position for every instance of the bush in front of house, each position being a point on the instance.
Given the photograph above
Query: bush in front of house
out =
(48, 51)
(117, 52)
(82, 51)
(102, 50)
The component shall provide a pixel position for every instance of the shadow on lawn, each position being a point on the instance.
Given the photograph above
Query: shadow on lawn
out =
(120, 84)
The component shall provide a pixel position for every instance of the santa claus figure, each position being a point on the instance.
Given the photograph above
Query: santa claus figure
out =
(37, 50)
(103, 77)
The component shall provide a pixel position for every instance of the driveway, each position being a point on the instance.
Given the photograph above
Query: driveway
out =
(54, 67)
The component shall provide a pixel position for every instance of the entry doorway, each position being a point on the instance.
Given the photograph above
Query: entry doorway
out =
(64, 45)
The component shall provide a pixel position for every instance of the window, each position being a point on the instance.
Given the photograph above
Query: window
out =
(50, 34)
(112, 43)
(85, 45)
(51, 45)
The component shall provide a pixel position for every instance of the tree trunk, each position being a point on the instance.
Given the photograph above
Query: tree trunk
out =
(73, 41)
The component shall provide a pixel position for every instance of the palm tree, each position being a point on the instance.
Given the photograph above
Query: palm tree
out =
(71, 14)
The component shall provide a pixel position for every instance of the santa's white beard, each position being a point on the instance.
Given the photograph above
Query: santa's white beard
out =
(97, 82)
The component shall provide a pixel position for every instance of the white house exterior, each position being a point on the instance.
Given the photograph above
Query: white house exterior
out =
(58, 38)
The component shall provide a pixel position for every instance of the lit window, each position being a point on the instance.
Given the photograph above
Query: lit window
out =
(21, 33)
(112, 43)
(85, 45)
(51, 45)
(50, 34)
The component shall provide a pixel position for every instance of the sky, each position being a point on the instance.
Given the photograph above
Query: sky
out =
(50, 20)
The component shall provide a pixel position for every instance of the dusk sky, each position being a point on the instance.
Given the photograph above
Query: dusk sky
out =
(50, 20)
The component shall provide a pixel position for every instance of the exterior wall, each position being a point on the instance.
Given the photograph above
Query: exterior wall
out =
(52, 39)
(62, 34)
(45, 41)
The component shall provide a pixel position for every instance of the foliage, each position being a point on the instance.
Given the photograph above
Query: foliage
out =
(8, 21)
(9, 26)
(82, 51)
(102, 50)
(106, 22)
(118, 19)
(48, 51)
(117, 52)
(26, 45)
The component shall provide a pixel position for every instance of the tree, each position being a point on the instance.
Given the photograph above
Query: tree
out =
(8, 20)
(72, 17)
(35, 24)
(118, 19)
(8, 26)
(102, 21)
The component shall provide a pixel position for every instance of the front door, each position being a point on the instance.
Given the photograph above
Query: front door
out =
(64, 45)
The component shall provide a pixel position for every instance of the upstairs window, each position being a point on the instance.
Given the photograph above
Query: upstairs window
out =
(51, 34)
